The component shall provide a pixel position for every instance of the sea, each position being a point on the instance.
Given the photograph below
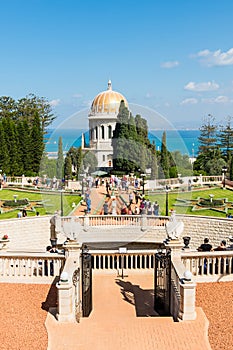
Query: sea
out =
(185, 141)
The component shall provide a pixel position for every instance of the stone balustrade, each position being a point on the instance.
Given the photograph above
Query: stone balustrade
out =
(118, 220)
(30, 267)
(209, 266)
(134, 260)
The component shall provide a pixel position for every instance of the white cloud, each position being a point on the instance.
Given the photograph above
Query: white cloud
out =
(148, 95)
(216, 58)
(205, 86)
(55, 103)
(189, 101)
(218, 99)
(78, 95)
(169, 64)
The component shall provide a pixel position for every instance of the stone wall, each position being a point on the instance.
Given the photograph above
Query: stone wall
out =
(27, 233)
(34, 233)
(199, 227)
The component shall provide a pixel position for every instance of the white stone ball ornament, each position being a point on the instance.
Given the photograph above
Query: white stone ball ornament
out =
(188, 275)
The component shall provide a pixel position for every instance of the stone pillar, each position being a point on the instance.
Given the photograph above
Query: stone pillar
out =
(187, 287)
(69, 287)
(143, 222)
(65, 302)
(187, 300)
(86, 223)
(175, 245)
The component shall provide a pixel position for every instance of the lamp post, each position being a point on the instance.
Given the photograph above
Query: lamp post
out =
(143, 183)
(167, 190)
(224, 170)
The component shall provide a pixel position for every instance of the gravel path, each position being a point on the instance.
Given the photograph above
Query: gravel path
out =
(23, 314)
(24, 310)
(216, 300)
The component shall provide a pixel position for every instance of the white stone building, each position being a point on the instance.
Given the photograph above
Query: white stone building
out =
(102, 121)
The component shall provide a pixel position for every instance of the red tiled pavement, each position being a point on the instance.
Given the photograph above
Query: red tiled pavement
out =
(113, 323)
(97, 200)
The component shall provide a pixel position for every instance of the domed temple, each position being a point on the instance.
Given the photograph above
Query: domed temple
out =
(102, 121)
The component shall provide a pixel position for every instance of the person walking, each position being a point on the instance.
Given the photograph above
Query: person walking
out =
(105, 207)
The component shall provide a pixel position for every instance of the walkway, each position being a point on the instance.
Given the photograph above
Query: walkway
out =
(97, 200)
(122, 318)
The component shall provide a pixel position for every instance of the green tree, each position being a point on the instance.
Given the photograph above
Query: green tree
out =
(226, 139)
(4, 154)
(208, 147)
(11, 137)
(154, 164)
(60, 160)
(37, 145)
(8, 108)
(68, 167)
(89, 161)
(24, 149)
(75, 153)
(164, 161)
(231, 169)
(32, 105)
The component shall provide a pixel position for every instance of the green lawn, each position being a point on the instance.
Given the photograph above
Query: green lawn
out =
(50, 202)
(175, 201)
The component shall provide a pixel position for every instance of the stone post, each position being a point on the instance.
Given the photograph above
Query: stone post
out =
(69, 303)
(86, 223)
(143, 222)
(185, 309)
(175, 245)
(65, 302)
(187, 300)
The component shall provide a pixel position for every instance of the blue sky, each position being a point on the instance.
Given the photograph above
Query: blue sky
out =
(175, 57)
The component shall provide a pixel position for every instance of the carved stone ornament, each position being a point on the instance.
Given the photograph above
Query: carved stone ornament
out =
(174, 228)
(71, 229)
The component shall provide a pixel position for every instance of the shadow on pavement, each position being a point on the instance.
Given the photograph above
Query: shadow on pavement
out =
(142, 299)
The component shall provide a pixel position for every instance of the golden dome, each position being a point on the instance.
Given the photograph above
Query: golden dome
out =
(107, 101)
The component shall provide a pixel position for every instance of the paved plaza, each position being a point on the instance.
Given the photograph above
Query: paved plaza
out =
(123, 318)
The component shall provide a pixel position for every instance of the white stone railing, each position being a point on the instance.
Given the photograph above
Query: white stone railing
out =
(209, 266)
(30, 267)
(132, 260)
(119, 220)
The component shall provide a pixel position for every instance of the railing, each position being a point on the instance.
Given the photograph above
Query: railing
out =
(132, 260)
(118, 220)
(209, 266)
(30, 267)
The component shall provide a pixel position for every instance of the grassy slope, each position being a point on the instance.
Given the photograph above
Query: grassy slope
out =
(51, 202)
(175, 198)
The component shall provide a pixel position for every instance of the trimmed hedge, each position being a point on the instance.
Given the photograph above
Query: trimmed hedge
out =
(13, 203)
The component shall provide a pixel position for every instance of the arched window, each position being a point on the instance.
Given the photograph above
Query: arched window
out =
(102, 131)
(109, 131)
(96, 132)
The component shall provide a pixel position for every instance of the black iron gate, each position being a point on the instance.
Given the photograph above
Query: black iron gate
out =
(86, 283)
(162, 278)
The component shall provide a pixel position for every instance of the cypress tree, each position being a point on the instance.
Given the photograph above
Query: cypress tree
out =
(164, 156)
(60, 160)
(37, 144)
(208, 137)
(226, 139)
(24, 150)
(153, 164)
(4, 154)
(11, 137)
(68, 167)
